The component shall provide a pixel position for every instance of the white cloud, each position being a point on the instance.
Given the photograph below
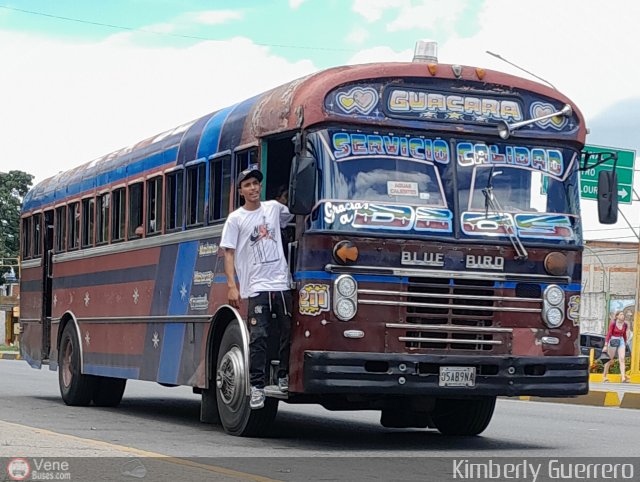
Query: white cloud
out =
(357, 36)
(428, 14)
(64, 104)
(213, 17)
(380, 54)
(373, 10)
(295, 4)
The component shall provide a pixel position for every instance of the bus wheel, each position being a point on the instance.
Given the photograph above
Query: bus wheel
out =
(463, 417)
(76, 389)
(108, 391)
(231, 390)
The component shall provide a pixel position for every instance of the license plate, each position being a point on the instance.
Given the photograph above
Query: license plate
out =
(457, 376)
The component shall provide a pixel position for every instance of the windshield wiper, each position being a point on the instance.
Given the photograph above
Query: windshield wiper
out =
(491, 202)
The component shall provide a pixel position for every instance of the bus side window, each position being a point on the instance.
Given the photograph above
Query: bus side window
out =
(244, 159)
(37, 235)
(196, 180)
(154, 205)
(102, 218)
(74, 225)
(117, 214)
(174, 200)
(219, 187)
(61, 229)
(88, 217)
(26, 238)
(136, 197)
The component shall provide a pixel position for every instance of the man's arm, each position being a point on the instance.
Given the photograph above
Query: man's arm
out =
(230, 271)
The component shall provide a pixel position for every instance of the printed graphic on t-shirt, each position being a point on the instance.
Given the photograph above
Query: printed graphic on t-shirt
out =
(264, 243)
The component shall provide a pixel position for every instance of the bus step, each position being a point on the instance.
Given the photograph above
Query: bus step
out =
(274, 392)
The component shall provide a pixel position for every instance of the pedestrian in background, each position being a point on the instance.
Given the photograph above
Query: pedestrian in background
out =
(616, 342)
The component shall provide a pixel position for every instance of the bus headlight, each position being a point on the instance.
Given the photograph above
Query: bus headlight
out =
(553, 306)
(345, 297)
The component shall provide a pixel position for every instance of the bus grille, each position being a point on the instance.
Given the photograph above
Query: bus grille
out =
(453, 314)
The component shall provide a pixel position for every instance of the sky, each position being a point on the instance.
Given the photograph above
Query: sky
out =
(81, 79)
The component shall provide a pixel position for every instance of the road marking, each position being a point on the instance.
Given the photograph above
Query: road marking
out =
(142, 453)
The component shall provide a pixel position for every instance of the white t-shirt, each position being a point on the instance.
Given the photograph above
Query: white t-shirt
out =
(259, 257)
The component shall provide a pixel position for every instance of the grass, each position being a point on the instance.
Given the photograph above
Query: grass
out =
(8, 348)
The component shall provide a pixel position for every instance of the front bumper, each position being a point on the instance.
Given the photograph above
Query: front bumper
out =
(407, 374)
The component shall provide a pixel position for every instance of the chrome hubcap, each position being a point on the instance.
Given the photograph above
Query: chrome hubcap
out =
(230, 378)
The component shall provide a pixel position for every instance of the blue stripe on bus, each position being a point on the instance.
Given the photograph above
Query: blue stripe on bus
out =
(173, 338)
(103, 178)
(323, 275)
(114, 372)
(210, 137)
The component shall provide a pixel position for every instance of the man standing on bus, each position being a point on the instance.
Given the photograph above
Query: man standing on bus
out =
(253, 249)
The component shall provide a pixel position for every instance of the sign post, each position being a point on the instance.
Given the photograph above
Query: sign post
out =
(624, 169)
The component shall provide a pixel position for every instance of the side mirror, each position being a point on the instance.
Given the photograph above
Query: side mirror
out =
(608, 197)
(302, 190)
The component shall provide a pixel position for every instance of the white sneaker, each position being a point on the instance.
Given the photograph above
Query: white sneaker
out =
(257, 398)
(283, 384)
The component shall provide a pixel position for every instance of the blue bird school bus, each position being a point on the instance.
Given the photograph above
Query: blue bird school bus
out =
(435, 254)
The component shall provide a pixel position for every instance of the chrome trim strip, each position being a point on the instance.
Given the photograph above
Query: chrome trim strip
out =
(472, 329)
(432, 273)
(31, 263)
(447, 295)
(150, 242)
(144, 319)
(453, 307)
(30, 320)
(450, 340)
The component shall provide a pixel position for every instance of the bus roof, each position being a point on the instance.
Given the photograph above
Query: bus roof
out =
(298, 104)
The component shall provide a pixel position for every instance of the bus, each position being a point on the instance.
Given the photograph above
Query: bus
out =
(435, 251)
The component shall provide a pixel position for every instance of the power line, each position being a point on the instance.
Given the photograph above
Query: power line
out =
(143, 30)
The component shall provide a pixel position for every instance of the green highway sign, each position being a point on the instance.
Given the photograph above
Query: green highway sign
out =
(624, 169)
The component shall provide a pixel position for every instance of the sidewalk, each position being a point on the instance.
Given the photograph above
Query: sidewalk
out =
(10, 355)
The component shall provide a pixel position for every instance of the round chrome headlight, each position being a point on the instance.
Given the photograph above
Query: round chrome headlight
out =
(346, 286)
(554, 317)
(345, 309)
(554, 295)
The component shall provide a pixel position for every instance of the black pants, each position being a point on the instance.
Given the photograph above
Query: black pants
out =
(269, 313)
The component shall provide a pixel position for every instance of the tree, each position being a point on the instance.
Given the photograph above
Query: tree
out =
(13, 186)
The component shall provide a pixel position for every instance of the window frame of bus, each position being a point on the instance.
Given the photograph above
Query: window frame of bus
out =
(26, 237)
(87, 229)
(176, 213)
(195, 217)
(158, 203)
(73, 227)
(220, 170)
(135, 212)
(103, 218)
(118, 216)
(240, 164)
(60, 221)
(37, 234)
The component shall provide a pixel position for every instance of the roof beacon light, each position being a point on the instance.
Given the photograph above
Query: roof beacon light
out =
(426, 51)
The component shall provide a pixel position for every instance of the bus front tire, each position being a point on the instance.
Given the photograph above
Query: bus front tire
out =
(231, 390)
(76, 389)
(108, 391)
(463, 416)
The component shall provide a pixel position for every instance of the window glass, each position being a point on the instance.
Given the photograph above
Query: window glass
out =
(135, 210)
(74, 225)
(244, 159)
(117, 214)
(88, 217)
(196, 178)
(220, 184)
(102, 218)
(37, 235)
(154, 205)
(174, 201)
(61, 229)
(26, 238)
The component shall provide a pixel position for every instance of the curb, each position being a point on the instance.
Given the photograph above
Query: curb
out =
(630, 400)
(10, 355)
(596, 398)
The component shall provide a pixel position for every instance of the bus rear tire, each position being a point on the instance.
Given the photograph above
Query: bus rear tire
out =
(463, 417)
(108, 391)
(76, 389)
(231, 390)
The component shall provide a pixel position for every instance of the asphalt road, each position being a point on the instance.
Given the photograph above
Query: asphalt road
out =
(308, 442)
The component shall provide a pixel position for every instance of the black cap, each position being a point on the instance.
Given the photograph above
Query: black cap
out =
(248, 173)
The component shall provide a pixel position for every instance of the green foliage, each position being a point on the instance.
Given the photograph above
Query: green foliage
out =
(13, 186)
(614, 368)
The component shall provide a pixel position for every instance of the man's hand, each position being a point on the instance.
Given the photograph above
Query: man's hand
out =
(234, 297)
